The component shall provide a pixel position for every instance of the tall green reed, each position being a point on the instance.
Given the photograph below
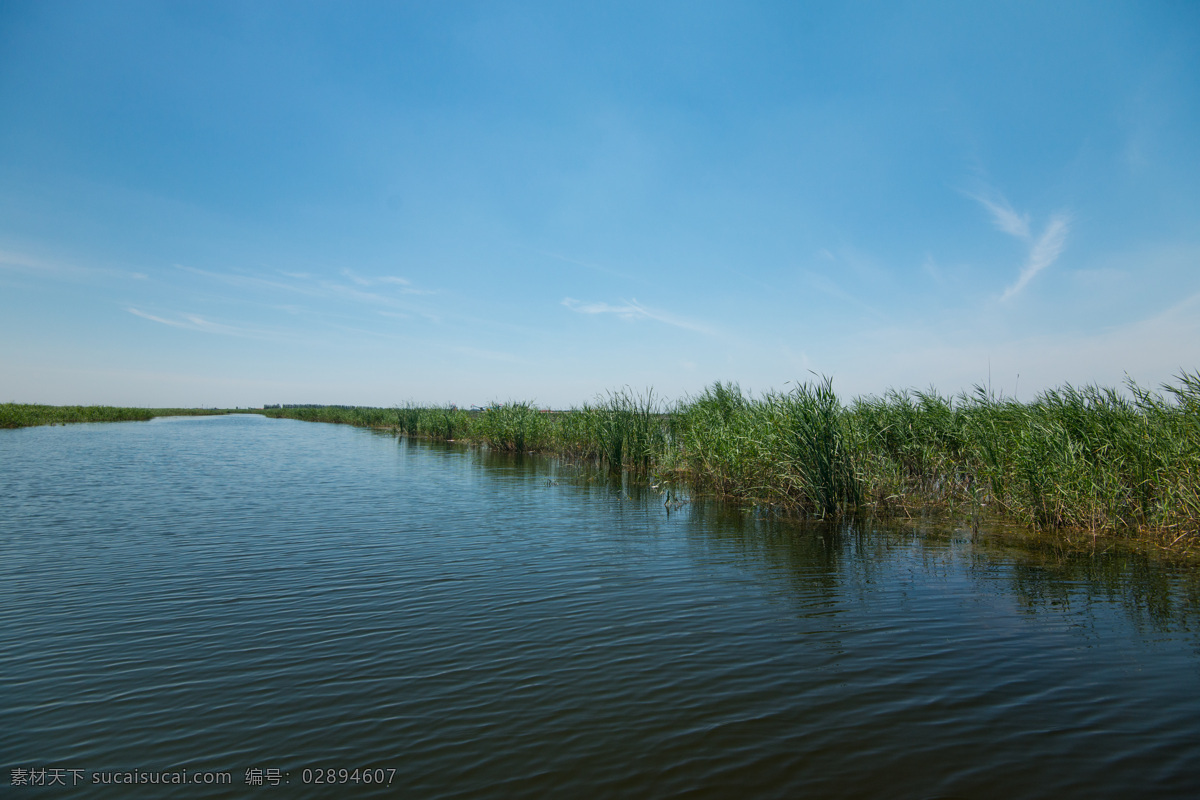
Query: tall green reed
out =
(1085, 457)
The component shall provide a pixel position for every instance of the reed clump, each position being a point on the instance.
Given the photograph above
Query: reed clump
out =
(623, 430)
(518, 427)
(1088, 457)
(441, 424)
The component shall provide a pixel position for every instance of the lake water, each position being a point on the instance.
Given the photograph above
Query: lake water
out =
(245, 599)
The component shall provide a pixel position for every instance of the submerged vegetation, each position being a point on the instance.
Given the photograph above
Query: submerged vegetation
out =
(1079, 458)
(19, 415)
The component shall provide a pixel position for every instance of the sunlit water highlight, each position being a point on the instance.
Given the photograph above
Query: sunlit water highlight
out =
(235, 593)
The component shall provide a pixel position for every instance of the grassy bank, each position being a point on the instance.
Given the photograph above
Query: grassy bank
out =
(20, 415)
(1086, 458)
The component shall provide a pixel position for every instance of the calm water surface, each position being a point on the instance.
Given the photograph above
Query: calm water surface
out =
(233, 594)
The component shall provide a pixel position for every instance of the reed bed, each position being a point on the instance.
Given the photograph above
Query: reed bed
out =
(1089, 458)
(21, 415)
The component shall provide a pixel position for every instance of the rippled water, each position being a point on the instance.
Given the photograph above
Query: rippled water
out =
(233, 594)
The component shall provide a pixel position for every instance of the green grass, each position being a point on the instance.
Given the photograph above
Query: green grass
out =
(19, 415)
(346, 415)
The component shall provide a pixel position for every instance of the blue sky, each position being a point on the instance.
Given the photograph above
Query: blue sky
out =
(247, 203)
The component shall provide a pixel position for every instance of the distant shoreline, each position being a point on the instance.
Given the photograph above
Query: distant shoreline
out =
(27, 415)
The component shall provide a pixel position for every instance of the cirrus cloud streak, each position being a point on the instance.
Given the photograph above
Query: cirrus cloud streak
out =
(633, 310)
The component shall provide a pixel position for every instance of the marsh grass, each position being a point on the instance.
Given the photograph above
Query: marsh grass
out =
(516, 427)
(442, 424)
(1090, 458)
(624, 430)
(19, 415)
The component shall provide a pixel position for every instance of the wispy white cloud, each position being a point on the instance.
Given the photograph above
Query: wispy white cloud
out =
(354, 291)
(234, 279)
(391, 280)
(333, 289)
(152, 318)
(355, 278)
(350, 293)
(633, 310)
(308, 285)
(1043, 251)
(28, 264)
(1003, 215)
(826, 285)
(194, 322)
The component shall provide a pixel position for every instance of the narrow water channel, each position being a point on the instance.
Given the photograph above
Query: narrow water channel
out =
(266, 601)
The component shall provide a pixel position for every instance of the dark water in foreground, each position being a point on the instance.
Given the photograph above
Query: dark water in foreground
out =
(232, 594)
